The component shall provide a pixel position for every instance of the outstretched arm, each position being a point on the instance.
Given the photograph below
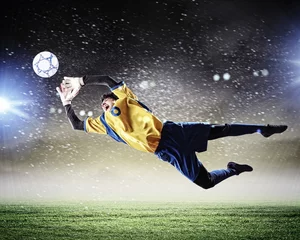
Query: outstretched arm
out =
(76, 123)
(66, 97)
(99, 80)
(76, 83)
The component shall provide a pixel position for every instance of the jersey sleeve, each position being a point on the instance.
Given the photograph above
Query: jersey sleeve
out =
(122, 91)
(94, 125)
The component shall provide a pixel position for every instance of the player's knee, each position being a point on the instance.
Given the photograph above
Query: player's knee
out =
(205, 183)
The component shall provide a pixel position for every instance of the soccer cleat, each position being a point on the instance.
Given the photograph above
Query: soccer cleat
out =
(239, 168)
(269, 130)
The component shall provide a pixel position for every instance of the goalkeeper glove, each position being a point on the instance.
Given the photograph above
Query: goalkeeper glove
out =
(74, 83)
(66, 95)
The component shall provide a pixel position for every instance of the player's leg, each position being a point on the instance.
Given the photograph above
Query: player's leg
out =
(218, 131)
(208, 180)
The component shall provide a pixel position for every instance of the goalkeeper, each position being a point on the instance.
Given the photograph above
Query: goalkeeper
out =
(129, 121)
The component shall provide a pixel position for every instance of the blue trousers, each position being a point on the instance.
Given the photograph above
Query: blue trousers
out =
(180, 142)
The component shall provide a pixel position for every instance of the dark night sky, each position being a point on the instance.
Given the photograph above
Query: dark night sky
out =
(168, 52)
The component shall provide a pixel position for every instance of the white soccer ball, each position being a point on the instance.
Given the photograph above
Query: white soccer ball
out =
(45, 64)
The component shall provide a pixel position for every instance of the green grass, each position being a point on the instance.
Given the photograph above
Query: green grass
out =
(132, 220)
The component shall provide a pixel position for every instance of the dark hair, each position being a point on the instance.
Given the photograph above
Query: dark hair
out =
(109, 95)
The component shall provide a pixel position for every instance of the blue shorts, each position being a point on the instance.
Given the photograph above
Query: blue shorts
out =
(178, 144)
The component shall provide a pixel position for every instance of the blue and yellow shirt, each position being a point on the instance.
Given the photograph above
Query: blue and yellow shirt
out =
(129, 121)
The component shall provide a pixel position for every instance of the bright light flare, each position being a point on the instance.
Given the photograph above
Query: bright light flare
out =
(4, 104)
(11, 106)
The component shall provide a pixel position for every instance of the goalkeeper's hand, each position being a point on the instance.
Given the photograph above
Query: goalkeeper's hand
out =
(66, 95)
(73, 83)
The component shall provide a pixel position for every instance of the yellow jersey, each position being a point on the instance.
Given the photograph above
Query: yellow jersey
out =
(129, 121)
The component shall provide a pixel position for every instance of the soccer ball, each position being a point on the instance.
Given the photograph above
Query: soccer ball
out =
(45, 64)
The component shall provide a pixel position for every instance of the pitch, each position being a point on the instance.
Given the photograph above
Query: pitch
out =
(139, 220)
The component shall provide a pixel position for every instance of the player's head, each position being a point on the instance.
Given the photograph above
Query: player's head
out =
(108, 101)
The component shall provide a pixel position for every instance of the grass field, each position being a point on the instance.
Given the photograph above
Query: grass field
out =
(131, 220)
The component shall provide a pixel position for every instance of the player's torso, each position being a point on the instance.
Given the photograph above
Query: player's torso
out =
(138, 127)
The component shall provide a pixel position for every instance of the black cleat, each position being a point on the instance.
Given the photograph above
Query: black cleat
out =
(239, 168)
(271, 129)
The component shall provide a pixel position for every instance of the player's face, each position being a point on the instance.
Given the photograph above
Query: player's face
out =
(107, 104)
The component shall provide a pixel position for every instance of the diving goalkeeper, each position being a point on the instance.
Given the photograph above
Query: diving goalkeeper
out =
(129, 121)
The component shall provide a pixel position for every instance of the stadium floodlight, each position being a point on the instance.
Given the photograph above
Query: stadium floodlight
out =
(4, 104)
(11, 107)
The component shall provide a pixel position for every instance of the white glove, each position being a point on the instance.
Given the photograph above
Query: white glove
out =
(66, 95)
(74, 83)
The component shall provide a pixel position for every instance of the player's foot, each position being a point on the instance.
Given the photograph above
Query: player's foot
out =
(239, 168)
(271, 129)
